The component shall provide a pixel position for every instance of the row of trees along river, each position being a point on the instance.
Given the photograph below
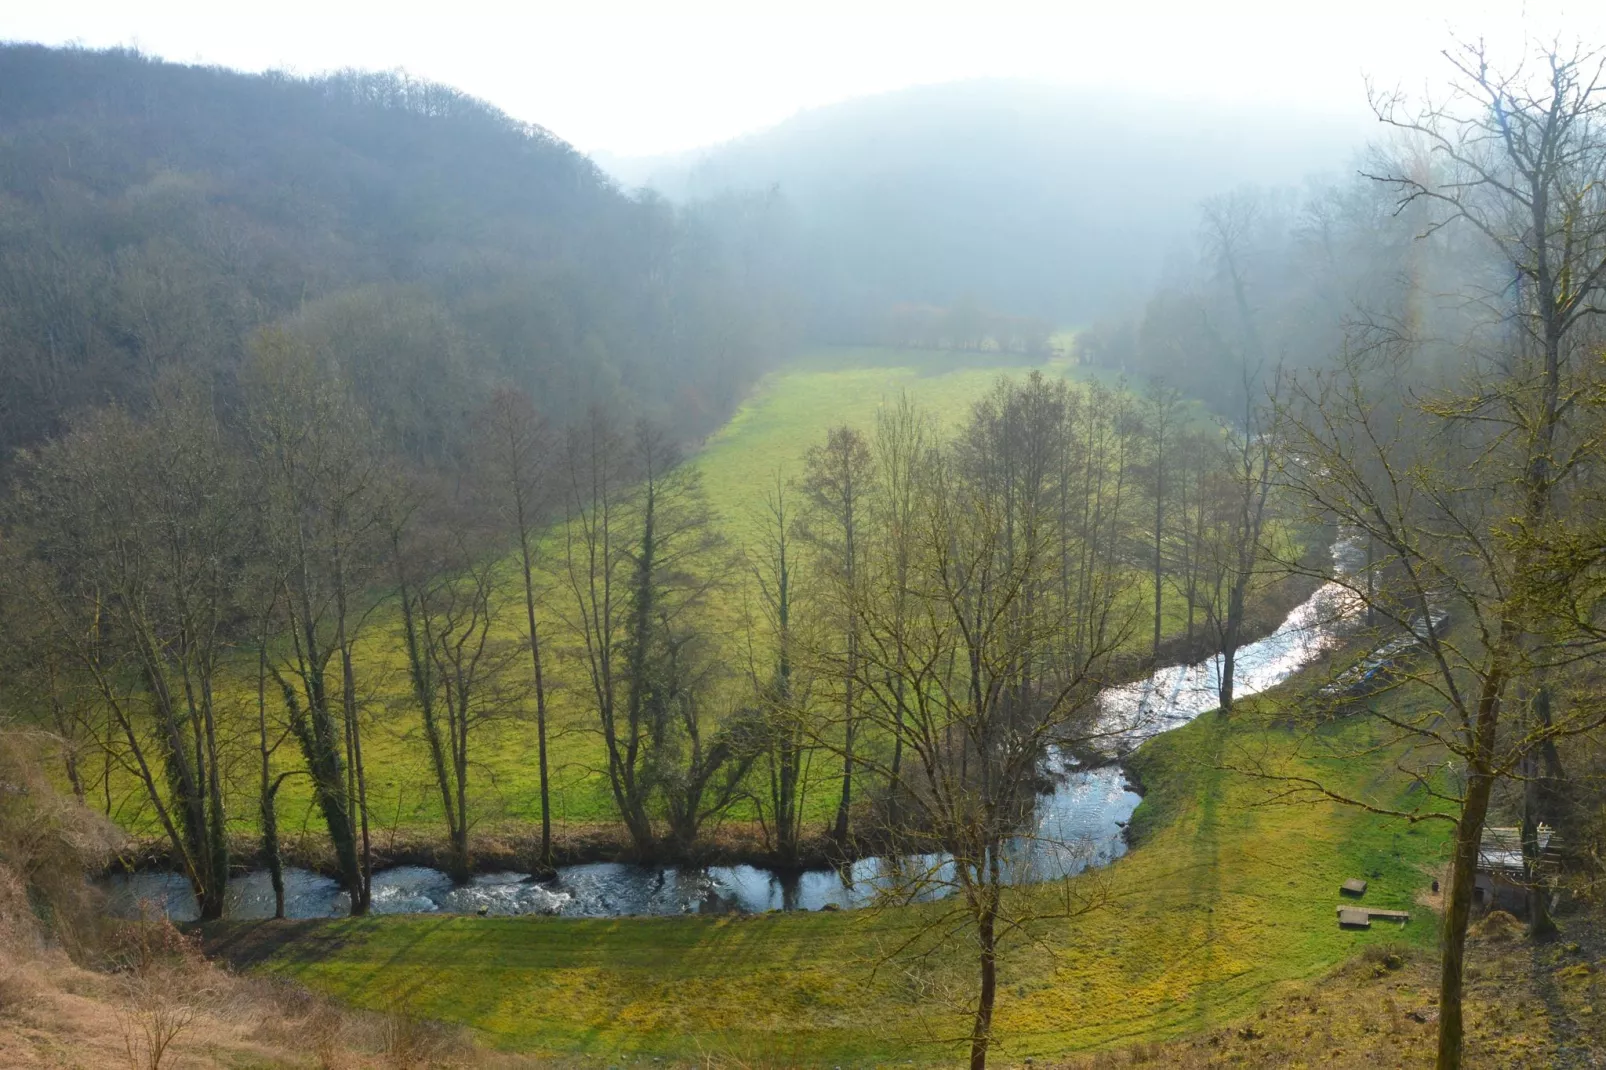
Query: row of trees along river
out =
(899, 610)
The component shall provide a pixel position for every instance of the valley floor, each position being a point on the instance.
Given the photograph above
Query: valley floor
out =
(1223, 910)
(789, 411)
(1526, 1007)
(1215, 944)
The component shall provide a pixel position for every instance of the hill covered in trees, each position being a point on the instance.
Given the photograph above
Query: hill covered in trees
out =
(154, 214)
(1035, 200)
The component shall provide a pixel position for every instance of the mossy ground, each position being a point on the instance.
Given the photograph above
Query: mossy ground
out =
(1226, 898)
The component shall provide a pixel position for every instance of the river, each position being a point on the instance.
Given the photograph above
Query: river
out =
(1080, 823)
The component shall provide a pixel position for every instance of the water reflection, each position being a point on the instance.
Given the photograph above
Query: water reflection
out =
(1177, 694)
(1078, 825)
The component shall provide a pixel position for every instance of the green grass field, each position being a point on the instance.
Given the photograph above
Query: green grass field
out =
(1225, 898)
(790, 411)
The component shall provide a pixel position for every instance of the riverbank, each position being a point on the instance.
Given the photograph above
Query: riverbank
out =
(506, 846)
(515, 847)
(1225, 897)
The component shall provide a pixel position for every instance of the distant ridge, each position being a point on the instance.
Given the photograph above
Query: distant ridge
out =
(1032, 198)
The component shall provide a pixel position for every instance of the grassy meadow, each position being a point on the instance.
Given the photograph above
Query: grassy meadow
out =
(1225, 901)
(789, 412)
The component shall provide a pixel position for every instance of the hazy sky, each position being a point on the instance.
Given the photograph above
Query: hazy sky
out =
(636, 77)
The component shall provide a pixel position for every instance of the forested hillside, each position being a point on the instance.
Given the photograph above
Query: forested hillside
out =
(153, 214)
(1030, 199)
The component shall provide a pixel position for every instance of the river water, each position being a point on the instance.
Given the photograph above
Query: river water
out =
(1080, 823)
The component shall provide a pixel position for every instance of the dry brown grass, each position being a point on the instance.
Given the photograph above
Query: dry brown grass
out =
(78, 990)
(179, 1011)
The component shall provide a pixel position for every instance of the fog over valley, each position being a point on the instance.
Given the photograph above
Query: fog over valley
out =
(1032, 198)
(802, 535)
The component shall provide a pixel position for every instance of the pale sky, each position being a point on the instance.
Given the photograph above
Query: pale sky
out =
(634, 77)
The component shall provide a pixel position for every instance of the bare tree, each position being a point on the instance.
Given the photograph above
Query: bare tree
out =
(836, 479)
(595, 561)
(668, 664)
(519, 448)
(985, 697)
(639, 550)
(1196, 486)
(1161, 419)
(1237, 555)
(143, 526)
(325, 496)
(902, 446)
(1096, 502)
(1517, 154)
(39, 683)
(773, 670)
(1457, 581)
(268, 784)
(448, 594)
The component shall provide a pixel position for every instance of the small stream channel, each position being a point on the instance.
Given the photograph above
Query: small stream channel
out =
(1080, 823)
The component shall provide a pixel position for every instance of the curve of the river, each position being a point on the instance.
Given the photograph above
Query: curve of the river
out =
(1080, 823)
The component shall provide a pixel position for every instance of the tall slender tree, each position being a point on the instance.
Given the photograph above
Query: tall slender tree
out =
(902, 447)
(325, 498)
(519, 451)
(773, 669)
(448, 595)
(1160, 417)
(1518, 158)
(837, 477)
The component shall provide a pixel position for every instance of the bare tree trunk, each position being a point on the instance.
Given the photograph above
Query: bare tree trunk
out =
(981, 1033)
(1256, 475)
(349, 701)
(1230, 635)
(841, 830)
(1164, 402)
(837, 478)
(644, 588)
(356, 782)
(1457, 913)
(544, 864)
(419, 639)
(269, 815)
(1159, 519)
(64, 728)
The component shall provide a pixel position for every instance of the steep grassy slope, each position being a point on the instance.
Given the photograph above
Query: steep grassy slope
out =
(1224, 899)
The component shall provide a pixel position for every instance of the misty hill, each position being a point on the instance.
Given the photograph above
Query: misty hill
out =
(155, 214)
(1031, 199)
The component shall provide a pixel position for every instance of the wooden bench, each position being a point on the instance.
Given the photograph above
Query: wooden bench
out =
(1369, 913)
